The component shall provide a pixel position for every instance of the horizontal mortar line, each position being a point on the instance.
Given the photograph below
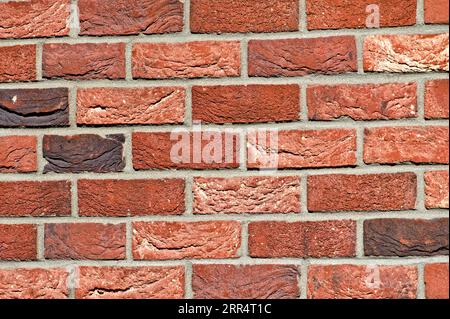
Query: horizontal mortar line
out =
(301, 125)
(370, 169)
(292, 217)
(410, 260)
(183, 37)
(319, 79)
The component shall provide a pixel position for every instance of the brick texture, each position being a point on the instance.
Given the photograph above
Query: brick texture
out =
(122, 17)
(362, 282)
(18, 154)
(299, 57)
(31, 198)
(328, 193)
(302, 239)
(17, 63)
(224, 149)
(216, 16)
(246, 104)
(130, 283)
(362, 102)
(341, 14)
(177, 240)
(18, 242)
(198, 59)
(436, 281)
(245, 282)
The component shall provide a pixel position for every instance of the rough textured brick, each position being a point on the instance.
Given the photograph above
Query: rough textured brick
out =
(246, 195)
(340, 14)
(83, 153)
(302, 149)
(85, 241)
(109, 106)
(328, 193)
(34, 107)
(419, 145)
(218, 16)
(117, 17)
(406, 53)
(33, 284)
(245, 282)
(362, 101)
(18, 154)
(18, 242)
(362, 282)
(130, 283)
(436, 281)
(246, 104)
(302, 239)
(436, 99)
(84, 61)
(436, 189)
(18, 63)
(436, 11)
(153, 150)
(186, 60)
(180, 240)
(34, 18)
(298, 57)
(406, 237)
(131, 197)
(32, 198)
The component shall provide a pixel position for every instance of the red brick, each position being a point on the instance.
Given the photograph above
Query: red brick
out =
(33, 283)
(180, 240)
(299, 57)
(186, 60)
(340, 14)
(362, 101)
(302, 149)
(130, 283)
(120, 17)
(436, 189)
(436, 281)
(153, 150)
(18, 154)
(247, 195)
(18, 63)
(18, 242)
(218, 16)
(112, 106)
(245, 282)
(34, 18)
(362, 282)
(84, 61)
(85, 241)
(32, 198)
(436, 99)
(394, 145)
(406, 237)
(406, 53)
(131, 197)
(329, 193)
(246, 104)
(302, 239)
(436, 11)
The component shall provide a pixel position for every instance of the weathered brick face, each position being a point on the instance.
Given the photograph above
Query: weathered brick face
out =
(224, 149)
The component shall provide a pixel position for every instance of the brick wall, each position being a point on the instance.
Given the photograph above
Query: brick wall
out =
(93, 204)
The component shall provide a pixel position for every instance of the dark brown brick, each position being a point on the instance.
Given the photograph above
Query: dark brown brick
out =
(406, 237)
(34, 107)
(84, 153)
